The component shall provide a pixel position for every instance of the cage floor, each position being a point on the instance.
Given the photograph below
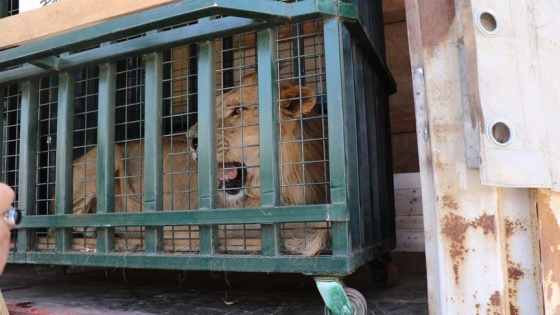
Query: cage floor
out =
(31, 289)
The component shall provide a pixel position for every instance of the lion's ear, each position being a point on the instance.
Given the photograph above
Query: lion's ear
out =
(297, 100)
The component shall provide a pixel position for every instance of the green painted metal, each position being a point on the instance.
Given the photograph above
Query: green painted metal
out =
(332, 292)
(64, 157)
(319, 265)
(106, 153)
(265, 215)
(268, 137)
(207, 168)
(366, 194)
(338, 149)
(28, 158)
(353, 186)
(153, 160)
(186, 10)
(3, 8)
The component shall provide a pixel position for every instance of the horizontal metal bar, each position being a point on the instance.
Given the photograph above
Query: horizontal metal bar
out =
(318, 265)
(312, 213)
(149, 43)
(160, 17)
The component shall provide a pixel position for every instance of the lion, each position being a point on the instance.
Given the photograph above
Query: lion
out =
(303, 168)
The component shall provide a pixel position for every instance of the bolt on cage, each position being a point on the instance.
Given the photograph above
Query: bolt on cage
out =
(131, 91)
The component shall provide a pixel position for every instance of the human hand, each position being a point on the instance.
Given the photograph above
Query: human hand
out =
(7, 196)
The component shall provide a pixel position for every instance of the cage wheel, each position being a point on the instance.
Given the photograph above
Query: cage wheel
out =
(384, 271)
(358, 301)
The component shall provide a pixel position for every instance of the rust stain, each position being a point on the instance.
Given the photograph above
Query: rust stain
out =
(548, 233)
(454, 227)
(496, 299)
(514, 269)
(436, 19)
(449, 202)
(512, 227)
(487, 223)
(494, 304)
(514, 273)
(513, 310)
(549, 229)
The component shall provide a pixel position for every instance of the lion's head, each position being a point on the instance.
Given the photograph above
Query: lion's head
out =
(237, 139)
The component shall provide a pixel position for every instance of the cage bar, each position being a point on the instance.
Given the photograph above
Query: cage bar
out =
(65, 128)
(28, 157)
(268, 116)
(106, 153)
(207, 142)
(153, 163)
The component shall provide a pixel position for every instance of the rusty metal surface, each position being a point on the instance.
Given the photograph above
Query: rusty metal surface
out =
(548, 204)
(482, 245)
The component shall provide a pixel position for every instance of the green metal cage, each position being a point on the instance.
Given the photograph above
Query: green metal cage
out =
(124, 97)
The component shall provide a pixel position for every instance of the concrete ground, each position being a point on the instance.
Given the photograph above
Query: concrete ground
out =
(46, 290)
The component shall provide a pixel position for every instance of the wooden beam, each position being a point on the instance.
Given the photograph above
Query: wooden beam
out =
(66, 16)
(393, 11)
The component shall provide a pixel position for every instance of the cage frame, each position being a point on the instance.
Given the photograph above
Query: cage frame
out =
(345, 32)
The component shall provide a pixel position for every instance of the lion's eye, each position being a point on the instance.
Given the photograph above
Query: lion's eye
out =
(237, 111)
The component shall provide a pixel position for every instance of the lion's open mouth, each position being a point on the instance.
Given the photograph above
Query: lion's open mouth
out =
(231, 176)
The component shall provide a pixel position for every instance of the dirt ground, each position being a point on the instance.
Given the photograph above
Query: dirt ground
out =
(46, 290)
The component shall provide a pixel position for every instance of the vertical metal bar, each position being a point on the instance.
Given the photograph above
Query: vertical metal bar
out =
(64, 154)
(28, 159)
(364, 154)
(207, 168)
(351, 141)
(268, 134)
(106, 153)
(375, 163)
(337, 130)
(153, 161)
(3, 8)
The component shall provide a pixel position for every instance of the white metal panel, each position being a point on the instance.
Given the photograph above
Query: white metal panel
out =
(517, 53)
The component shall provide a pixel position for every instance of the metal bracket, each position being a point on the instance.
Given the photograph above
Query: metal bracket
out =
(332, 292)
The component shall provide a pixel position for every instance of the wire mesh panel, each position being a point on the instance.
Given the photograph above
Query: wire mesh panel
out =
(10, 149)
(180, 181)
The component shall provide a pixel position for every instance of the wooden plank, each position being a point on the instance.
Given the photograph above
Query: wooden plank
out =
(393, 11)
(66, 16)
(410, 240)
(407, 181)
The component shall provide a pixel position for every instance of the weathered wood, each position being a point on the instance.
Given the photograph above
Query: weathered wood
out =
(408, 213)
(393, 11)
(65, 16)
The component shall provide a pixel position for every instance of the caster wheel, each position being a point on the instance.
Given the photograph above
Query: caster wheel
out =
(359, 303)
(384, 271)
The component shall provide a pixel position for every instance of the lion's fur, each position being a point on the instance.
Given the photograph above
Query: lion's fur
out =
(301, 162)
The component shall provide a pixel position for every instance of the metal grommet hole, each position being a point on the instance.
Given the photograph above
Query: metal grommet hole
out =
(487, 22)
(500, 132)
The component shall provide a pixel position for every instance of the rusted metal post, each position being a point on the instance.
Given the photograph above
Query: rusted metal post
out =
(481, 241)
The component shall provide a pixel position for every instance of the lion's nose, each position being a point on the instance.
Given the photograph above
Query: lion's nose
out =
(193, 141)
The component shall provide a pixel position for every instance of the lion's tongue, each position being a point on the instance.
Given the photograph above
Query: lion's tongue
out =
(227, 174)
